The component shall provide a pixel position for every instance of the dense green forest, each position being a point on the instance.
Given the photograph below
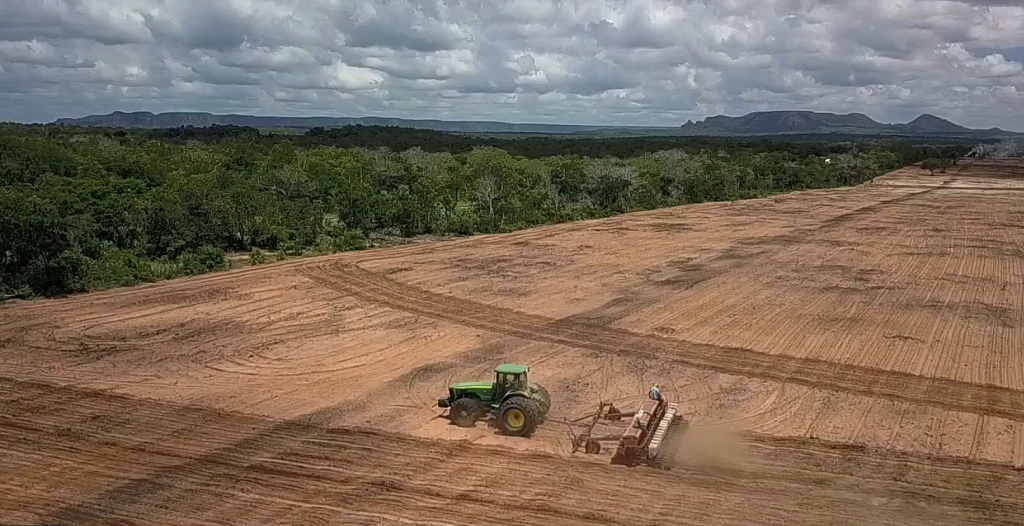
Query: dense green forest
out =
(525, 145)
(86, 209)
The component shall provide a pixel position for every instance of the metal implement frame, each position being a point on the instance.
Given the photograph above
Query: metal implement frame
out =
(585, 439)
(606, 411)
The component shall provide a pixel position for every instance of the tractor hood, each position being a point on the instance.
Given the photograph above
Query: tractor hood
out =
(472, 385)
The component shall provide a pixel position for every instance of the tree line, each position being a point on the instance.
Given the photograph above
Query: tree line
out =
(524, 145)
(83, 210)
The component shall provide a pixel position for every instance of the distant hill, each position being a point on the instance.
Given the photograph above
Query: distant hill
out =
(790, 122)
(173, 120)
(760, 123)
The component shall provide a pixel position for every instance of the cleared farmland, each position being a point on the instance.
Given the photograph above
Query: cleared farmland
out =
(864, 345)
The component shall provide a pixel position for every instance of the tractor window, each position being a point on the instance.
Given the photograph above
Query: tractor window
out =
(508, 382)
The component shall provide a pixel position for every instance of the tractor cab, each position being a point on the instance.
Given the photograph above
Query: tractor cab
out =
(509, 378)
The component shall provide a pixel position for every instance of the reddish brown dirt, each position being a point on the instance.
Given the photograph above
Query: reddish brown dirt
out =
(84, 457)
(863, 343)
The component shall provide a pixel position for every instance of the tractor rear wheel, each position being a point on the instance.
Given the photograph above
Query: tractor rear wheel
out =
(519, 416)
(466, 411)
(545, 399)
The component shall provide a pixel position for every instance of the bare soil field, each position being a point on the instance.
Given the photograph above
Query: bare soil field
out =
(85, 457)
(862, 347)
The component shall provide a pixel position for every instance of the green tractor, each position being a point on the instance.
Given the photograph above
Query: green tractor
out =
(516, 404)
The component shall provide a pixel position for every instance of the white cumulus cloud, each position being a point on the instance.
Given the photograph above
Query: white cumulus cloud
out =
(586, 61)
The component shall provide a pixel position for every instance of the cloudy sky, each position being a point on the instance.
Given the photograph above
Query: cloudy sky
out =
(639, 62)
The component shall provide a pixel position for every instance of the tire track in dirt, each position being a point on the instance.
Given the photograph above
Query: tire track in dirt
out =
(944, 393)
(865, 410)
(865, 211)
(978, 438)
(188, 328)
(1018, 445)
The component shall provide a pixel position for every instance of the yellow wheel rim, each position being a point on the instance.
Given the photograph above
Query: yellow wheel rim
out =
(515, 418)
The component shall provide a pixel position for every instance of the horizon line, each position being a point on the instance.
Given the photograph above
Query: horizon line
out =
(484, 120)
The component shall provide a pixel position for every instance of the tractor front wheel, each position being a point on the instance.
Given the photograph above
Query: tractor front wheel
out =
(466, 411)
(519, 416)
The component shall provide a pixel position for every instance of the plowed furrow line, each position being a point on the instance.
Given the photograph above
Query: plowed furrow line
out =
(936, 392)
(1012, 268)
(885, 357)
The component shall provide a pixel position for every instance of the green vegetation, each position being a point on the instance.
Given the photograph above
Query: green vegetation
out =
(933, 164)
(86, 209)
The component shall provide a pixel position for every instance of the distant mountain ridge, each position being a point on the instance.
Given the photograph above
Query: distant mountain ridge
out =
(783, 122)
(758, 123)
(145, 119)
